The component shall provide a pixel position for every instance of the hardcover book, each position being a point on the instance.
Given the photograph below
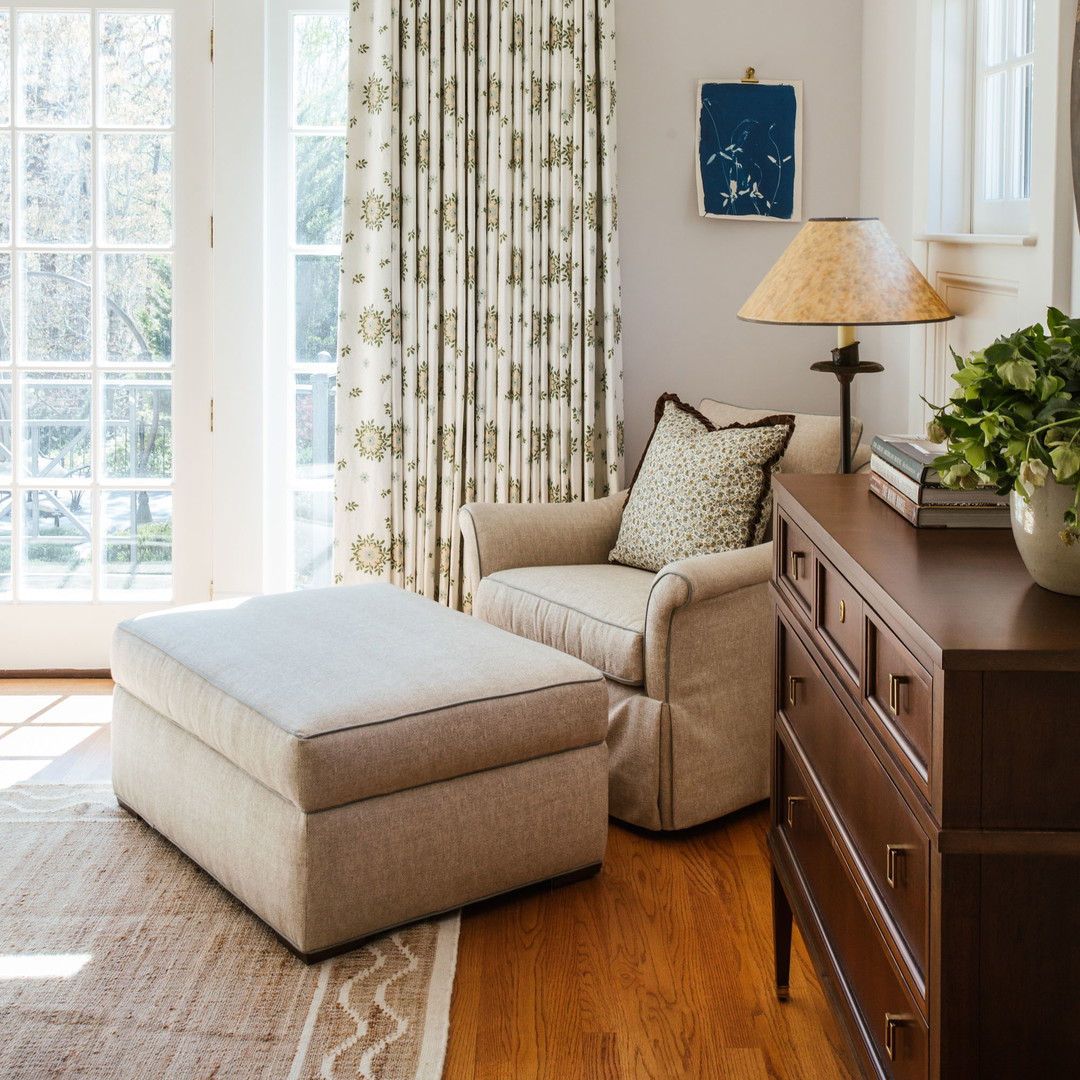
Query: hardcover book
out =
(935, 494)
(912, 455)
(923, 517)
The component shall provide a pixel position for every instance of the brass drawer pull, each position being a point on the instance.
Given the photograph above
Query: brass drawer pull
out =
(792, 802)
(895, 682)
(792, 689)
(843, 611)
(892, 1022)
(893, 854)
(795, 557)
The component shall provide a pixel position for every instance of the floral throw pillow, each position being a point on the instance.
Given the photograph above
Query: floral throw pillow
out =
(699, 489)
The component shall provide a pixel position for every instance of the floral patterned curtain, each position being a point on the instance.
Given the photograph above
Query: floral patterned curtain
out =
(479, 354)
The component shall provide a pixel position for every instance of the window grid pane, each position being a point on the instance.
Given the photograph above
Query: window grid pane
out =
(1025, 27)
(56, 558)
(994, 136)
(995, 31)
(1020, 180)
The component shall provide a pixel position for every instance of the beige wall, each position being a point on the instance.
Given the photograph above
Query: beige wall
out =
(684, 277)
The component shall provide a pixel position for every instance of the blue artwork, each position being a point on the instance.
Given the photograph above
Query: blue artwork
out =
(750, 150)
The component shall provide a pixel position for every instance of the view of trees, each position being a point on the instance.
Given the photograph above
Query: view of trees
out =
(79, 326)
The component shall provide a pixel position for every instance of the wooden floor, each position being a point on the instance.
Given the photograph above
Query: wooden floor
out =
(659, 968)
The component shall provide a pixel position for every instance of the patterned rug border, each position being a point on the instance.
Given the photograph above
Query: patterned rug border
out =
(60, 802)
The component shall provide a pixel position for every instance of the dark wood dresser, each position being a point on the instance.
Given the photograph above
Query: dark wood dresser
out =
(926, 789)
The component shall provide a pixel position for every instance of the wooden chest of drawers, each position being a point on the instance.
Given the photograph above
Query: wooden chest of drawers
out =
(926, 788)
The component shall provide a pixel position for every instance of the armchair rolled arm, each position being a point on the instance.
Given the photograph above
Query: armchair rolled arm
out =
(498, 536)
(695, 581)
(703, 577)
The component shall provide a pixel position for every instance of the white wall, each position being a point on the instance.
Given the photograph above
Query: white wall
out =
(683, 276)
(891, 96)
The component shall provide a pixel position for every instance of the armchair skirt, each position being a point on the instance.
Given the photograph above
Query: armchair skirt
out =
(684, 651)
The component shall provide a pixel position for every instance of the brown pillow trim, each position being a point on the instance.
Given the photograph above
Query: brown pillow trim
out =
(777, 420)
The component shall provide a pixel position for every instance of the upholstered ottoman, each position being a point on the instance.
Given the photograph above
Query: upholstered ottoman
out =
(344, 760)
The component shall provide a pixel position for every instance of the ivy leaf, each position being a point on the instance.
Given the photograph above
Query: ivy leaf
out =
(1054, 406)
(1066, 461)
(1000, 352)
(1046, 386)
(976, 454)
(968, 376)
(1018, 373)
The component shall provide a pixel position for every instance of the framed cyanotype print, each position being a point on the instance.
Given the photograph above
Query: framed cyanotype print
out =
(749, 153)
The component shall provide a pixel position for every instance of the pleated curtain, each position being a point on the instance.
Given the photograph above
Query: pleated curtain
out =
(479, 354)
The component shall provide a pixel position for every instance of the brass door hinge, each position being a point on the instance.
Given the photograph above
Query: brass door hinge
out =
(211, 414)
(211, 44)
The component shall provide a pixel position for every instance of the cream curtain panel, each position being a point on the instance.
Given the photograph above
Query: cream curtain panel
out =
(479, 354)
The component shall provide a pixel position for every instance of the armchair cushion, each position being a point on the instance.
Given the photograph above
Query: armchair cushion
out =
(595, 612)
(815, 442)
(699, 489)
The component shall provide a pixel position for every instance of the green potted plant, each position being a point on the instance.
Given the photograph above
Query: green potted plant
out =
(1014, 421)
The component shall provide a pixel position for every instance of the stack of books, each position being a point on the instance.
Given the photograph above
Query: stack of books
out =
(902, 473)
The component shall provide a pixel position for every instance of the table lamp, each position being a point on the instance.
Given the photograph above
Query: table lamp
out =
(844, 272)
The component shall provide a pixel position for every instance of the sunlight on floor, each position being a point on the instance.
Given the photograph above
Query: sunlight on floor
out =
(19, 771)
(43, 737)
(20, 707)
(43, 967)
(78, 709)
(38, 740)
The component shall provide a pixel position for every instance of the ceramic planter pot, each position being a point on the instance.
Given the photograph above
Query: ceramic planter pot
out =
(1036, 526)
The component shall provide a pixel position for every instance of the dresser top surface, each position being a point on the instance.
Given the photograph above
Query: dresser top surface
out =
(964, 592)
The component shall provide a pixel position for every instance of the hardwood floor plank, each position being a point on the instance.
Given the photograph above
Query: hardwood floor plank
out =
(668, 951)
(23, 685)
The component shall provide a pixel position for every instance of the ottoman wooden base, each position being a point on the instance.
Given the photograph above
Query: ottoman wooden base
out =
(324, 878)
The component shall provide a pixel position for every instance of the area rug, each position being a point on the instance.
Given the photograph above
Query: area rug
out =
(121, 959)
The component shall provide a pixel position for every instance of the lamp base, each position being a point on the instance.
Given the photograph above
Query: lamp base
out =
(845, 365)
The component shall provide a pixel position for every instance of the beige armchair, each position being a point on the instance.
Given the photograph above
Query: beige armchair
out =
(686, 651)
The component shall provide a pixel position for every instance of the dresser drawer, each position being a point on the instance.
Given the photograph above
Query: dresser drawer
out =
(795, 570)
(899, 693)
(882, 832)
(838, 619)
(892, 1025)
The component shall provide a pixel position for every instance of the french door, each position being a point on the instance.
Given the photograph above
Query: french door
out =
(105, 316)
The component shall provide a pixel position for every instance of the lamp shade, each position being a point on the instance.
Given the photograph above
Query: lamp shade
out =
(844, 272)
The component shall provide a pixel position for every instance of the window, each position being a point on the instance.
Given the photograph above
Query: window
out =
(1003, 89)
(86, 272)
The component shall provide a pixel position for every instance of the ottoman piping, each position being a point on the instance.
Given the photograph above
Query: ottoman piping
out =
(370, 723)
(448, 705)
